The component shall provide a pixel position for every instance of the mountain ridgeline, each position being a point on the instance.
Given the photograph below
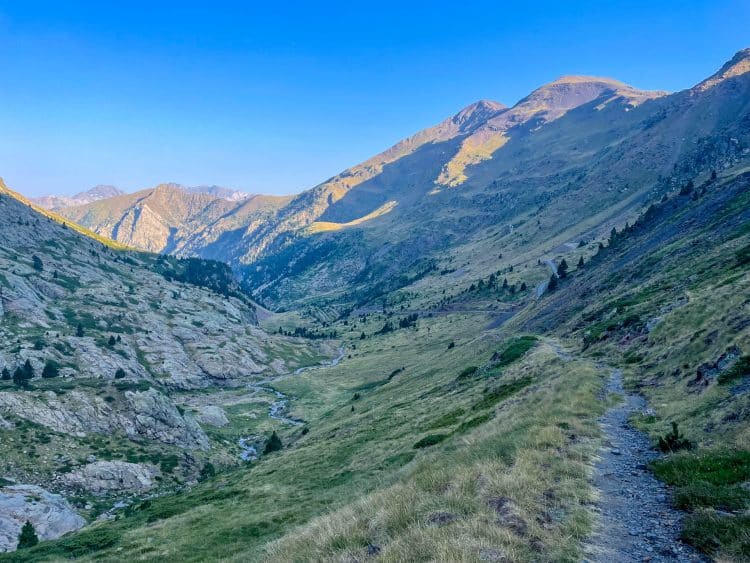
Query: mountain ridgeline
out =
(574, 148)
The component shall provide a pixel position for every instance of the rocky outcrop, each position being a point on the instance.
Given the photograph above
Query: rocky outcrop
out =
(708, 372)
(51, 515)
(157, 418)
(102, 477)
(212, 416)
(147, 414)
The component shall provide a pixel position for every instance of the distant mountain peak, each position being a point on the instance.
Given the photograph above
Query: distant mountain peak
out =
(739, 64)
(100, 191)
(97, 193)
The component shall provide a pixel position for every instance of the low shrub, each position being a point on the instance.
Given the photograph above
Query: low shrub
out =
(430, 440)
(674, 441)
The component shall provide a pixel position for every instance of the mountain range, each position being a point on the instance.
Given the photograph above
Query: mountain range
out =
(580, 146)
(518, 335)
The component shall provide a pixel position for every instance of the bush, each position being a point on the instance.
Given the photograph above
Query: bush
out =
(674, 441)
(430, 440)
(120, 373)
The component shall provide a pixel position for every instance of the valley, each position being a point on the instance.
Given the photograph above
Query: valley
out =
(510, 337)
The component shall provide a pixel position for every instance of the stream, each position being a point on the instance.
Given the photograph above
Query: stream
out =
(278, 408)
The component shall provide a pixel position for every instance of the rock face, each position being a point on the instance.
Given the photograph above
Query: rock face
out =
(51, 515)
(157, 418)
(147, 414)
(107, 476)
(212, 415)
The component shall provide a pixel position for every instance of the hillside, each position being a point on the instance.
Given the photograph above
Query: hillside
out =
(116, 369)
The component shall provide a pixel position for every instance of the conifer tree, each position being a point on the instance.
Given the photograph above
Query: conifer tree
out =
(580, 263)
(562, 269)
(28, 370)
(51, 369)
(5, 375)
(27, 537)
(552, 285)
(273, 444)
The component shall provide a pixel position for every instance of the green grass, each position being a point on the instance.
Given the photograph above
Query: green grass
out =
(516, 349)
(348, 455)
(719, 533)
(501, 392)
(710, 479)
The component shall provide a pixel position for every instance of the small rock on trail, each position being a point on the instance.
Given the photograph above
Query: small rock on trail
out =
(636, 521)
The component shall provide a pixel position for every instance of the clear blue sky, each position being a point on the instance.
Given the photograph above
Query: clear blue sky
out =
(277, 96)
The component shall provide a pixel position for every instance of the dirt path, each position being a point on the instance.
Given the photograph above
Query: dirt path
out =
(636, 521)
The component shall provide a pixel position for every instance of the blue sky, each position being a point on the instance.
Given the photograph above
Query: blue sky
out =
(275, 99)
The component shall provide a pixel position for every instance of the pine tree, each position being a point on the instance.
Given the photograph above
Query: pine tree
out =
(18, 377)
(580, 263)
(612, 235)
(562, 269)
(112, 341)
(38, 264)
(523, 286)
(79, 331)
(28, 370)
(552, 285)
(27, 537)
(51, 369)
(273, 444)
(5, 375)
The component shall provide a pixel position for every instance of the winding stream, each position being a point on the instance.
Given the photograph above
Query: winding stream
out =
(278, 408)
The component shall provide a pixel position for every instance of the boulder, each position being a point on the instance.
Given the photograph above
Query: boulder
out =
(50, 514)
(212, 415)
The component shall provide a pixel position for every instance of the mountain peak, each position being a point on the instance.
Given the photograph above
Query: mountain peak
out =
(476, 114)
(568, 92)
(100, 191)
(583, 79)
(737, 65)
